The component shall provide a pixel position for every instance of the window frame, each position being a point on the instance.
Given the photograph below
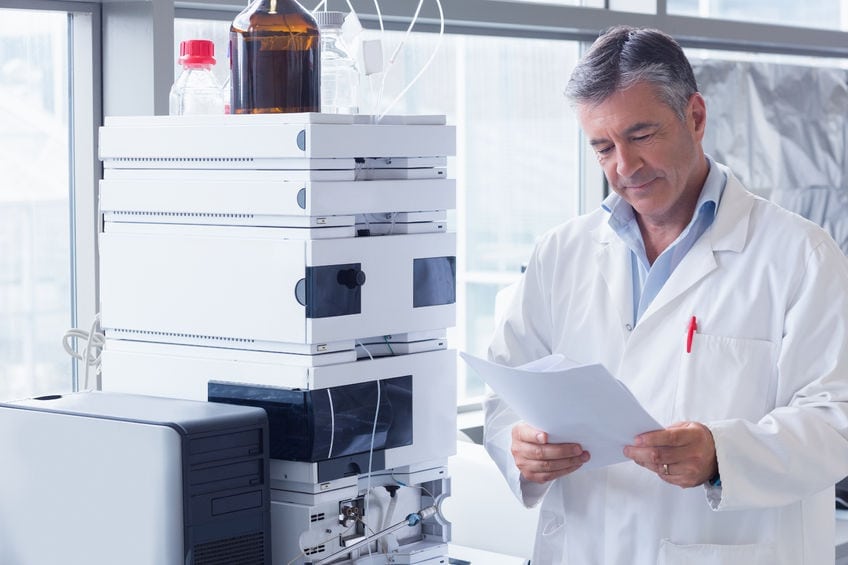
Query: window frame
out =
(84, 118)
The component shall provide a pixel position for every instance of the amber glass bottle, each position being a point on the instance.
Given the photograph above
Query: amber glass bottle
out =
(275, 59)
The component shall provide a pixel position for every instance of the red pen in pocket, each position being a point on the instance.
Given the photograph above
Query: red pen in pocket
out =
(693, 327)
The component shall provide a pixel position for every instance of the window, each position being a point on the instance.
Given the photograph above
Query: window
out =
(35, 273)
(517, 152)
(824, 14)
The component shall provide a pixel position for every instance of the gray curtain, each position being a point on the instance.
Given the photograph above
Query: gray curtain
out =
(783, 130)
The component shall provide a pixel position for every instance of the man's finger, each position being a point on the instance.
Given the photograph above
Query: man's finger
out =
(529, 434)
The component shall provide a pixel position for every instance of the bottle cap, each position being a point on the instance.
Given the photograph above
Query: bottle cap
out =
(329, 19)
(197, 52)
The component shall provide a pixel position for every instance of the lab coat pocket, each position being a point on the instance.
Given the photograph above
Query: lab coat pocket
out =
(711, 554)
(724, 377)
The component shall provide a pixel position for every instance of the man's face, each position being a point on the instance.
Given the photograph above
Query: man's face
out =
(651, 158)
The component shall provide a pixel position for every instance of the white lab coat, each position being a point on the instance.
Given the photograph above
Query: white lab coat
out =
(768, 374)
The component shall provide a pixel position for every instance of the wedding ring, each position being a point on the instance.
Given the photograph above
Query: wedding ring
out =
(665, 469)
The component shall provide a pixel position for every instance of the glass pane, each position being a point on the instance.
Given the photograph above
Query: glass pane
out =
(517, 155)
(636, 6)
(823, 14)
(558, 2)
(35, 295)
(781, 59)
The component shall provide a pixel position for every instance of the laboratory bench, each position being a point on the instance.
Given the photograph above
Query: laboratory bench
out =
(461, 555)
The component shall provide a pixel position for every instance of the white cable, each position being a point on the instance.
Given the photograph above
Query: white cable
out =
(373, 433)
(393, 58)
(426, 65)
(392, 227)
(408, 31)
(388, 344)
(384, 71)
(94, 341)
(359, 344)
(371, 453)
(332, 424)
(390, 511)
(379, 17)
(324, 4)
(334, 537)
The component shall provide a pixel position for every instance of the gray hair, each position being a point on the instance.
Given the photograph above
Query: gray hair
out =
(623, 56)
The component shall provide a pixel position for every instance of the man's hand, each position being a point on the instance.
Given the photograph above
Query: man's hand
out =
(682, 454)
(540, 461)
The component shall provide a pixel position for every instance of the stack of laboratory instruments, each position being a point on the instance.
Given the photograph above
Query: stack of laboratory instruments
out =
(301, 263)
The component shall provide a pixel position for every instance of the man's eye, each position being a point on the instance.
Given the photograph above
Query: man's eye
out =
(603, 150)
(642, 137)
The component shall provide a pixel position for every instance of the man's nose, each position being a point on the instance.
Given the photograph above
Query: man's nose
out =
(628, 162)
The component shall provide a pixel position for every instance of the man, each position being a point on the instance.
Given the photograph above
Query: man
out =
(726, 317)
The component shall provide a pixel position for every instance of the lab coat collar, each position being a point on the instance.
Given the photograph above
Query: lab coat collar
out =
(730, 229)
(729, 232)
(621, 214)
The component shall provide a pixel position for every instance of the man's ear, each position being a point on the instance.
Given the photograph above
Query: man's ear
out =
(696, 115)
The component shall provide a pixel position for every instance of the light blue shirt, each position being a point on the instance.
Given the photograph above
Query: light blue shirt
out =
(649, 279)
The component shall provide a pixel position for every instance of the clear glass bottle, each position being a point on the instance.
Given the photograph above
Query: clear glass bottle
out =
(275, 59)
(227, 94)
(196, 90)
(339, 72)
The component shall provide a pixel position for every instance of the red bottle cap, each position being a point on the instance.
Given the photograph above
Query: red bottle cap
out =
(197, 52)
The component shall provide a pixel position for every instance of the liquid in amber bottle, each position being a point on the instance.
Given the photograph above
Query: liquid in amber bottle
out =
(275, 59)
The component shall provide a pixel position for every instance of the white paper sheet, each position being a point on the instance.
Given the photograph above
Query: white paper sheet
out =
(573, 404)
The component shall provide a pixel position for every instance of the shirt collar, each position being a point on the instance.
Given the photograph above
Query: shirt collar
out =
(621, 213)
